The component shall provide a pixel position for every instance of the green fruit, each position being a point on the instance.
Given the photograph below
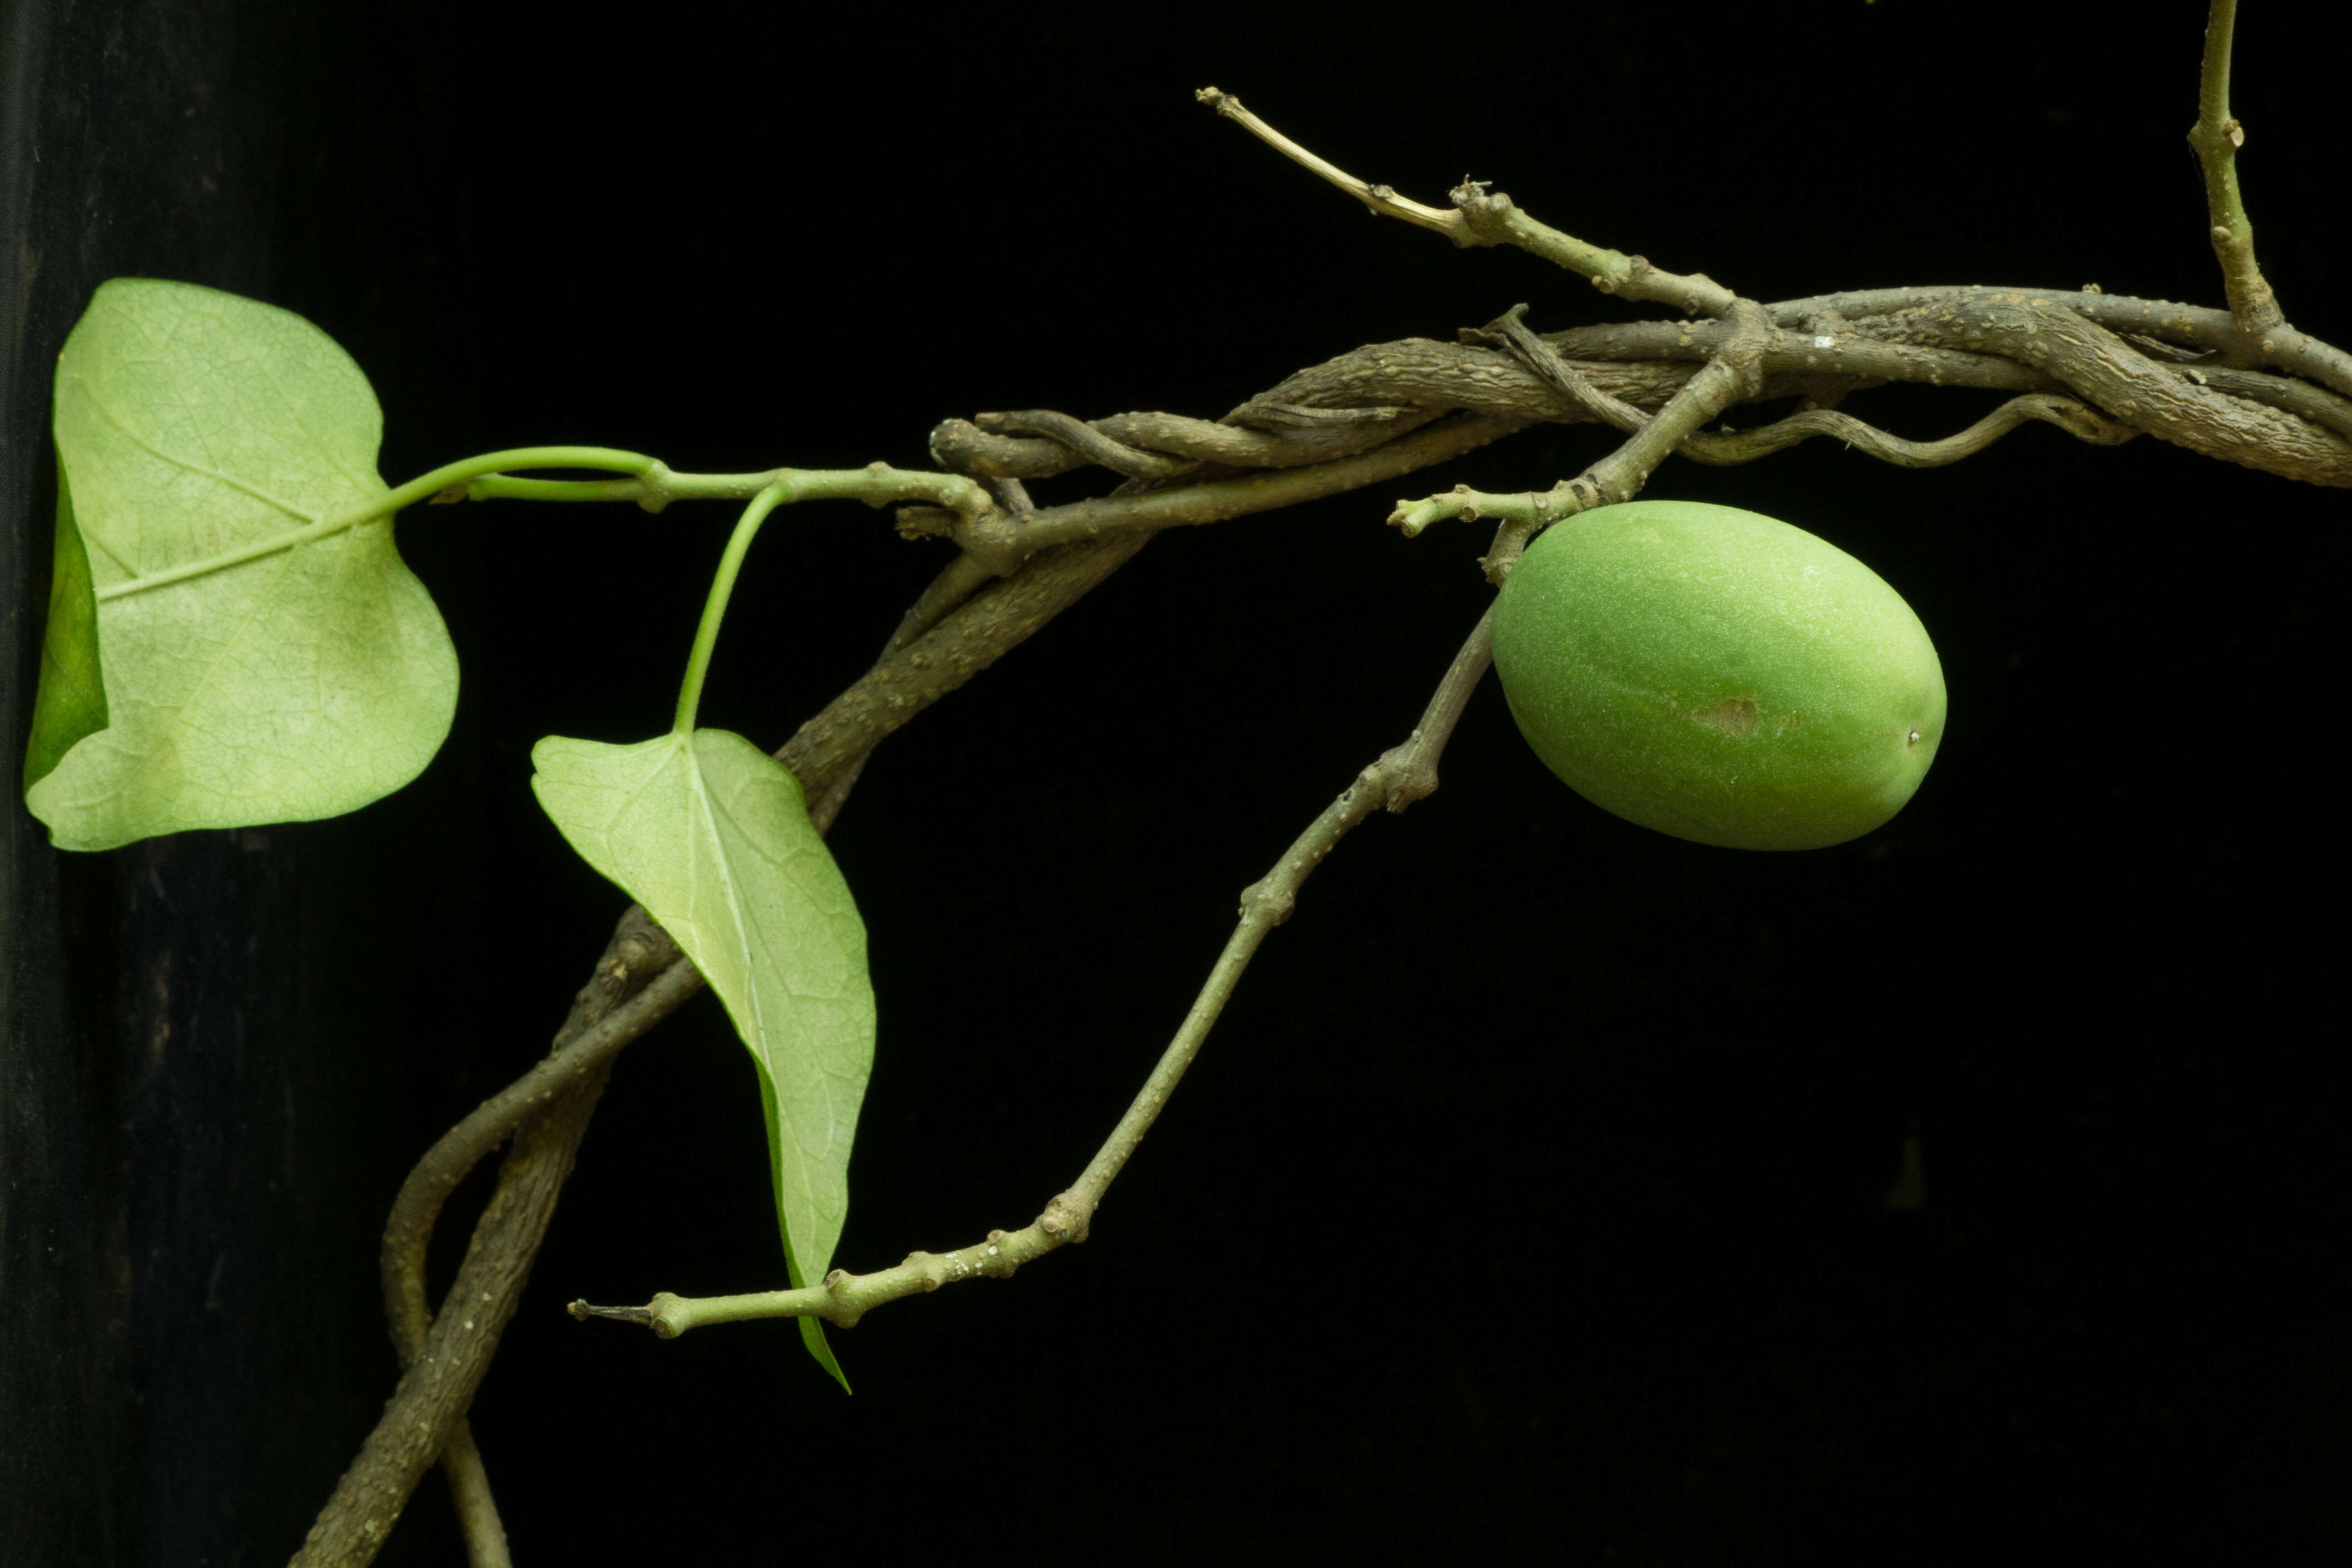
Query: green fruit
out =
(1719, 676)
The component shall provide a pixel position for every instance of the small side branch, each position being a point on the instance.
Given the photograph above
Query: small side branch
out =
(1484, 217)
(1493, 218)
(1402, 775)
(2216, 136)
(1509, 330)
(2078, 419)
(1382, 199)
(1732, 375)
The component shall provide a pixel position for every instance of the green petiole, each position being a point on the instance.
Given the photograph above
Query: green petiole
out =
(421, 489)
(706, 636)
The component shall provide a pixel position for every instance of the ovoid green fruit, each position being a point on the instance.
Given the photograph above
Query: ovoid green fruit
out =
(1718, 675)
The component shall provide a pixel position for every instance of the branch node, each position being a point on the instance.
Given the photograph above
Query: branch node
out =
(656, 482)
(1066, 1219)
(1269, 900)
(837, 1284)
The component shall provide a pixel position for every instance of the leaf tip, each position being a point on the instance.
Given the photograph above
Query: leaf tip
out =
(812, 1336)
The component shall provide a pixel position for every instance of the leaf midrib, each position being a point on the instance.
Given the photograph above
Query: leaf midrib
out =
(798, 1165)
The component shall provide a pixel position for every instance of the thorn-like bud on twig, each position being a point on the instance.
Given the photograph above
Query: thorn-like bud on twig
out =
(1471, 190)
(582, 1311)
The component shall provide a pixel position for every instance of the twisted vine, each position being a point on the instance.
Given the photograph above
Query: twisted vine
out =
(2237, 384)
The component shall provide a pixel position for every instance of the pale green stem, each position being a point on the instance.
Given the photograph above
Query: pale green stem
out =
(1478, 218)
(1496, 220)
(706, 637)
(876, 484)
(2216, 136)
(679, 1314)
(391, 501)
(654, 490)
(1535, 509)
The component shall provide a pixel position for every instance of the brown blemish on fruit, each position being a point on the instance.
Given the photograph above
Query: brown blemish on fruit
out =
(1733, 716)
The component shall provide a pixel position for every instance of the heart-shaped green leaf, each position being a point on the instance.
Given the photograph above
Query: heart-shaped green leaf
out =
(266, 654)
(711, 835)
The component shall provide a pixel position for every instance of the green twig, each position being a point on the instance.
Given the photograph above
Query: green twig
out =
(1382, 199)
(1403, 774)
(1478, 217)
(1494, 219)
(714, 608)
(2254, 308)
(1732, 373)
(1538, 509)
(876, 484)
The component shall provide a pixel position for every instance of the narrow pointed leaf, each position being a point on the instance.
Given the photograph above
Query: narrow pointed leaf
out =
(194, 426)
(711, 835)
(72, 701)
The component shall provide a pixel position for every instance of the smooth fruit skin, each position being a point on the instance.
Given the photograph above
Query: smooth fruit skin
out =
(1718, 675)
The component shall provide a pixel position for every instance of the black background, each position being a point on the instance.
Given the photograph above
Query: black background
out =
(1531, 1196)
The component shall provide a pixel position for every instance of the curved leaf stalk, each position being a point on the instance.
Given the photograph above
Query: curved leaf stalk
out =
(714, 611)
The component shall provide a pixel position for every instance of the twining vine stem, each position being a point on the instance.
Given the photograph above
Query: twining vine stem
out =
(2103, 368)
